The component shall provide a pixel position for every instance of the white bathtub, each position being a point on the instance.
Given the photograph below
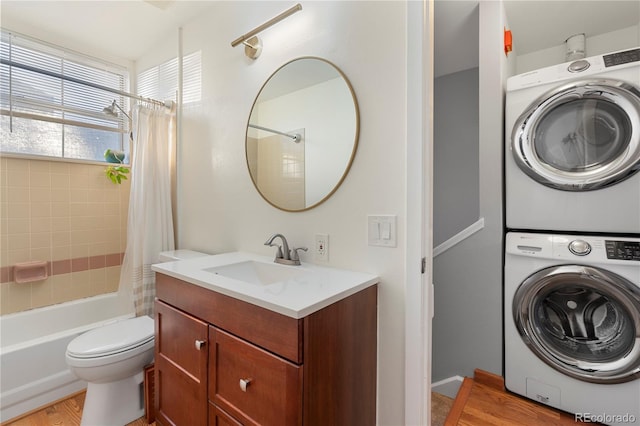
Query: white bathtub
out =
(33, 370)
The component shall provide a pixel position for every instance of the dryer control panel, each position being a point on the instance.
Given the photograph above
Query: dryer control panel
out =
(620, 58)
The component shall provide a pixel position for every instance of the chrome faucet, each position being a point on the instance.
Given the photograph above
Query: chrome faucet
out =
(283, 254)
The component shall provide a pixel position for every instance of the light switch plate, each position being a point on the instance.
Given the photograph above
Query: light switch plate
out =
(382, 230)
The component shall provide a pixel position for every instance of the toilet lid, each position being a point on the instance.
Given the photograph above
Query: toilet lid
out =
(112, 338)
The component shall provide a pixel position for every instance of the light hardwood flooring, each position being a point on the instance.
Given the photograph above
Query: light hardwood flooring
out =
(66, 412)
(483, 401)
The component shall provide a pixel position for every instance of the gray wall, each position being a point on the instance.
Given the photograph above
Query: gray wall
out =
(456, 166)
(467, 326)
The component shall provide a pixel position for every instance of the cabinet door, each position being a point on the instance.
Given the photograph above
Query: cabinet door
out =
(181, 368)
(253, 385)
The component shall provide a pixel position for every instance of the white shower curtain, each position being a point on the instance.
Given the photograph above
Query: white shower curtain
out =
(150, 220)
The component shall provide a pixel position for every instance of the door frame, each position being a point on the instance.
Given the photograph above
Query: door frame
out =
(419, 196)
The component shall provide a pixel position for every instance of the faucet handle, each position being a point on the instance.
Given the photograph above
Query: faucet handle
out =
(294, 253)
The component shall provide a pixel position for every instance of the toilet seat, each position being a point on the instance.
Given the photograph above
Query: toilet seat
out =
(113, 342)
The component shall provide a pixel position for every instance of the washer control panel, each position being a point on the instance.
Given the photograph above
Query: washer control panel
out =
(583, 248)
(623, 250)
(579, 247)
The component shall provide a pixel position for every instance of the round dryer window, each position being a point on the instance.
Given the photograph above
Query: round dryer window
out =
(582, 321)
(581, 136)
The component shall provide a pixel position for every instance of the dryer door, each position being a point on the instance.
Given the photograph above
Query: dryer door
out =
(582, 321)
(582, 136)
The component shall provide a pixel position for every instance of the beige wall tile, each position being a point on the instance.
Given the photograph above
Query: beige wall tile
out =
(60, 209)
(17, 165)
(40, 239)
(41, 224)
(43, 253)
(17, 210)
(19, 241)
(41, 209)
(18, 226)
(39, 166)
(61, 253)
(60, 223)
(17, 195)
(17, 255)
(79, 250)
(19, 296)
(39, 180)
(53, 210)
(60, 181)
(42, 293)
(59, 167)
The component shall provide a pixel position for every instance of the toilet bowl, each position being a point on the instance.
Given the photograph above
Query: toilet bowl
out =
(111, 359)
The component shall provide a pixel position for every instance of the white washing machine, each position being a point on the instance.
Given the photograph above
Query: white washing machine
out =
(572, 323)
(572, 156)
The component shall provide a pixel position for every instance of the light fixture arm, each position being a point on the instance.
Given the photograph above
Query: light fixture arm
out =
(252, 43)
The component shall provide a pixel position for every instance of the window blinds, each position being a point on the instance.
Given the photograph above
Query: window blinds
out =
(32, 95)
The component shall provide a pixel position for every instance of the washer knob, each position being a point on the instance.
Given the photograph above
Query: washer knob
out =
(579, 247)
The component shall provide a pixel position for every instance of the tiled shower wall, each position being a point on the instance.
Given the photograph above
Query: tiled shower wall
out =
(69, 215)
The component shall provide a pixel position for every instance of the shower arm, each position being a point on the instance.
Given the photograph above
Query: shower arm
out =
(296, 136)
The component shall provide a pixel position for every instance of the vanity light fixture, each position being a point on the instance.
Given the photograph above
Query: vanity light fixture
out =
(252, 44)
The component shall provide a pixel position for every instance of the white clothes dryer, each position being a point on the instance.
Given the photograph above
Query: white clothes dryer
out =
(572, 324)
(572, 153)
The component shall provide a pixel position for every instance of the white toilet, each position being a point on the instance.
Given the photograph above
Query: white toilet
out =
(111, 359)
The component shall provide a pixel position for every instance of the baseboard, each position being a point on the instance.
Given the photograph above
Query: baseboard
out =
(448, 387)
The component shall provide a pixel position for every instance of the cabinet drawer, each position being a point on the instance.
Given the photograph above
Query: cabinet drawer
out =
(271, 389)
(217, 417)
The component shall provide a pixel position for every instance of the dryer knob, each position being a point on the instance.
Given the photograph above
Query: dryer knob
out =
(579, 247)
(578, 66)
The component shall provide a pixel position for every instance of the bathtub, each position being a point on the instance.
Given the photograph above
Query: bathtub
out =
(33, 370)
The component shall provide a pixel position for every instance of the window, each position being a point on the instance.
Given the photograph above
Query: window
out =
(46, 110)
(161, 82)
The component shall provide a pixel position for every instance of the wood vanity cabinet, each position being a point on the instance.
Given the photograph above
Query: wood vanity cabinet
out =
(259, 367)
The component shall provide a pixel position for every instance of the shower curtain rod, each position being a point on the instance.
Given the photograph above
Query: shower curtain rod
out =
(296, 136)
(85, 83)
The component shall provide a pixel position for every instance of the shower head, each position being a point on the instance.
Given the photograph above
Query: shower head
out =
(112, 110)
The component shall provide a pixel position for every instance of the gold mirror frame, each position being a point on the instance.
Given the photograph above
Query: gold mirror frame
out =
(355, 139)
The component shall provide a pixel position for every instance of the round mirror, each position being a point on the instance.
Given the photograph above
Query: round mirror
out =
(302, 134)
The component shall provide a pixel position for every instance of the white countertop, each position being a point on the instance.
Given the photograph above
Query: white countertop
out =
(313, 288)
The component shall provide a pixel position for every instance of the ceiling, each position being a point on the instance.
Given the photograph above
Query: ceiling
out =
(129, 28)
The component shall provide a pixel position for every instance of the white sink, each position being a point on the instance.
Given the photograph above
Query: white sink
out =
(259, 273)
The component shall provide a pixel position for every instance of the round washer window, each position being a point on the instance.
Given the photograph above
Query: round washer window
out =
(582, 321)
(582, 136)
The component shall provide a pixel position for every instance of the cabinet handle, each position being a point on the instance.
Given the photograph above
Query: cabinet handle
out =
(200, 344)
(244, 383)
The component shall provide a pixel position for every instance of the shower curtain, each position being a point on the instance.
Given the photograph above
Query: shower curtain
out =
(150, 220)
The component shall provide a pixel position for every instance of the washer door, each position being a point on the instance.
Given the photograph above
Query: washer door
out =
(581, 136)
(582, 321)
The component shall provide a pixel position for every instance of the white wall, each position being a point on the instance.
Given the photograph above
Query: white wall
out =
(624, 38)
(219, 209)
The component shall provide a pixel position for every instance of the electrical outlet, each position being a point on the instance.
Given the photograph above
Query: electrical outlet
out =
(321, 251)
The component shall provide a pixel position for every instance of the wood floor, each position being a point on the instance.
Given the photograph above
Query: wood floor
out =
(66, 412)
(483, 401)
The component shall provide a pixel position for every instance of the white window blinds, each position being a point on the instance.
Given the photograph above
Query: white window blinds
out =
(161, 82)
(44, 108)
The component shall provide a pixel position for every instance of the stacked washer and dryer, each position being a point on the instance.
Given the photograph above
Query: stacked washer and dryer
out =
(572, 248)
